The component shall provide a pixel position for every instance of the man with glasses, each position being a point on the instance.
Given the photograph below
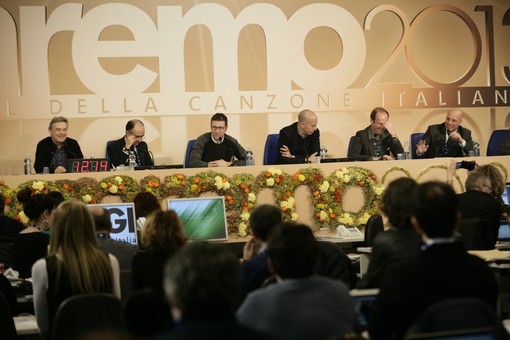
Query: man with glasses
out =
(118, 151)
(216, 148)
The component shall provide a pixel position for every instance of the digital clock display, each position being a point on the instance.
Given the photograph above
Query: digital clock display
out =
(89, 165)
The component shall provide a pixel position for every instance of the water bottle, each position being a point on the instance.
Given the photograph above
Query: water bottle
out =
(27, 165)
(407, 153)
(132, 159)
(476, 147)
(324, 152)
(249, 157)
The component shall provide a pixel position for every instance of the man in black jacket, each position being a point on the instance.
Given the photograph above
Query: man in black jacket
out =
(118, 150)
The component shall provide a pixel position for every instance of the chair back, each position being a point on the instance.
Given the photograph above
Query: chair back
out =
(458, 318)
(88, 314)
(374, 226)
(476, 234)
(351, 141)
(106, 151)
(271, 149)
(415, 138)
(189, 148)
(495, 142)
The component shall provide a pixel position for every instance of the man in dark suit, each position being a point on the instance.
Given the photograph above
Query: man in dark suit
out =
(448, 139)
(443, 270)
(300, 141)
(263, 220)
(378, 141)
(478, 202)
(118, 151)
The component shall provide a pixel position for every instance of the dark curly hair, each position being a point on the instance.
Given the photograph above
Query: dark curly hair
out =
(396, 202)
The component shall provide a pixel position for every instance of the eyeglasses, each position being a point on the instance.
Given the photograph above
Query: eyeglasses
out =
(219, 128)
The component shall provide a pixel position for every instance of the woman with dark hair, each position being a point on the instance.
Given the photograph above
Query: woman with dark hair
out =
(75, 264)
(145, 203)
(31, 243)
(398, 242)
(162, 236)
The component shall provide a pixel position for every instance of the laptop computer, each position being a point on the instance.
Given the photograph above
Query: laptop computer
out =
(122, 216)
(204, 218)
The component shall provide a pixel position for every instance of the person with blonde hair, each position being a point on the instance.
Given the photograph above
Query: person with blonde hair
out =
(162, 236)
(74, 264)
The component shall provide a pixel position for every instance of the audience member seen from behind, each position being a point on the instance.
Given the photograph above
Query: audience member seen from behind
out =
(448, 139)
(162, 236)
(400, 241)
(203, 285)
(145, 203)
(216, 148)
(263, 220)
(75, 265)
(300, 305)
(442, 270)
(123, 251)
(300, 141)
(54, 151)
(478, 202)
(118, 150)
(497, 185)
(31, 243)
(9, 227)
(378, 141)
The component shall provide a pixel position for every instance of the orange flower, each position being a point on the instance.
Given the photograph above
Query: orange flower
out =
(2, 182)
(361, 184)
(183, 182)
(8, 201)
(196, 180)
(268, 174)
(17, 218)
(109, 185)
(231, 202)
(284, 209)
(156, 184)
(151, 183)
(179, 176)
(243, 185)
(224, 179)
(318, 214)
(246, 190)
(228, 197)
(277, 180)
(315, 193)
(332, 216)
(121, 187)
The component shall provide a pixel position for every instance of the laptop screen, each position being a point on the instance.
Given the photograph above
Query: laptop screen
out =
(204, 218)
(122, 216)
(504, 228)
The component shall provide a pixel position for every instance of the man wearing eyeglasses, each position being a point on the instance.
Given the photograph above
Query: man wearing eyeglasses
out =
(216, 148)
(118, 150)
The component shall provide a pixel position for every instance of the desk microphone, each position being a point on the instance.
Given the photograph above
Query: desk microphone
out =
(220, 139)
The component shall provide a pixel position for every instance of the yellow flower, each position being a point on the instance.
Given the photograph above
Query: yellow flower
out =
(301, 177)
(277, 172)
(323, 215)
(270, 182)
(345, 218)
(245, 216)
(118, 180)
(324, 187)
(320, 205)
(346, 178)
(103, 186)
(364, 219)
(294, 216)
(226, 185)
(251, 197)
(87, 198)
(23, 218)
(241, 229)
(38, 185)
(194, 187)
(113, 189)
(378, 190)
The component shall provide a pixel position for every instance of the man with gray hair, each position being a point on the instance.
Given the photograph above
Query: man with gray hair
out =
(53, 152)
(477, 202)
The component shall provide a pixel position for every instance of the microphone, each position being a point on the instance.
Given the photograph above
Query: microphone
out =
(220, 139)
(304, 152)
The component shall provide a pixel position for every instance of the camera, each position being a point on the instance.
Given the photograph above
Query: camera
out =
(466, 165)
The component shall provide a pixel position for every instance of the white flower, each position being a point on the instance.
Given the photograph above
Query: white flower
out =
(226, 185)
(324, 187)
(323, 215)
(251, 197)
(294, 216)
(270, 182)
(118, 180)
(241, 229)
(346, 178)
(113, 189)
(277, 171)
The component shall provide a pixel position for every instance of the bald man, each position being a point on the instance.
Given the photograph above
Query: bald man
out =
(118, 151)
(300, 141)
(448, 139)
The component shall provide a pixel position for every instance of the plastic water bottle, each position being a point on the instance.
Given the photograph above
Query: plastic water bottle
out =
(324, 152)
(407, 153)
(132, 159)
(476, 147)
(27, 165)
(249, 157)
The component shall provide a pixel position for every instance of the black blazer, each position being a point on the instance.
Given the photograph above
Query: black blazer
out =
(300, 147)
(363, 148)
(46, 148)
(118, 157)
(435, 137)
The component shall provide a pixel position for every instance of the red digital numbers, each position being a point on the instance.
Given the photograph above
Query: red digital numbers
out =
(90, 165)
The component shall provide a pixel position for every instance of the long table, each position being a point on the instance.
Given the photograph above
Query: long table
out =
(306, 204)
